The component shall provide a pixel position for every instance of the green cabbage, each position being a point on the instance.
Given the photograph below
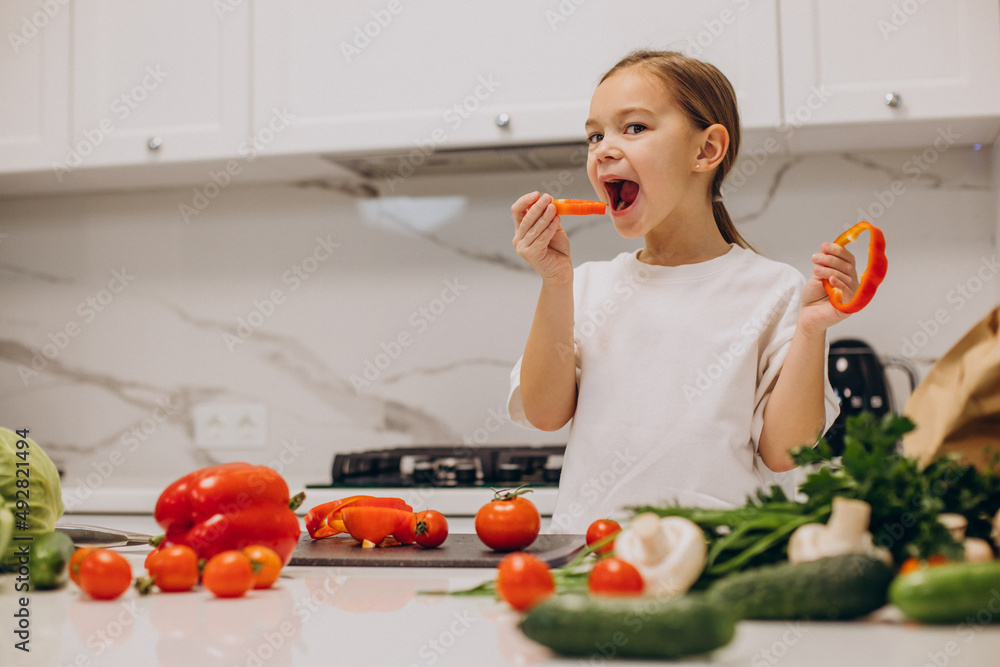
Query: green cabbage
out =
(44, 501)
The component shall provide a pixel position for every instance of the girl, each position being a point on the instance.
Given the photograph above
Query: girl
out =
(691, 367)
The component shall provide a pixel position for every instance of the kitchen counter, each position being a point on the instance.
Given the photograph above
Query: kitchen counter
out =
(378, 616)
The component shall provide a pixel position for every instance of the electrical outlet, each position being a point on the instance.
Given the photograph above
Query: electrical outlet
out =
(230, 425)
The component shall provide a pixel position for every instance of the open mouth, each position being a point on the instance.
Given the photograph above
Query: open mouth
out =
(621, 193)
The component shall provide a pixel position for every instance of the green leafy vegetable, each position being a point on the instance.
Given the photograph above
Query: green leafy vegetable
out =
(905, 501)
(30, 493)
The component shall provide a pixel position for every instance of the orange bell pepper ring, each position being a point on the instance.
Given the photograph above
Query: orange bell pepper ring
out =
(578, 207)
(873, 275)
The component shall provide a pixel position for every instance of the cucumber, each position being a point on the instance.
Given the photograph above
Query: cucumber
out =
(50, 552)
(837, 588)
(951, 593)
(579, 625)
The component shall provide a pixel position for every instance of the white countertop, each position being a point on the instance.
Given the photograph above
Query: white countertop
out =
(376, 616)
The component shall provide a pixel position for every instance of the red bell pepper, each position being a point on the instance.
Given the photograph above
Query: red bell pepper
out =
(326, 519)
(878, 265)
(371, 525)
(229, 506)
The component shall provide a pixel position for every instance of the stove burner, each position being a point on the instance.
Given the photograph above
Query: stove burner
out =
(454, 466)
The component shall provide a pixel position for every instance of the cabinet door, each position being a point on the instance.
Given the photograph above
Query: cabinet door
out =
(34, 84)
(158, 81)
(870, 61)
(388, 75)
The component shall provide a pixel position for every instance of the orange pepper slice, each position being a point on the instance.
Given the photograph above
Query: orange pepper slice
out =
(578, 207)
(373, 524)
(875, 272)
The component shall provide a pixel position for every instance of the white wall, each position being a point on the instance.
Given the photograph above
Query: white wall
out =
(162, 338)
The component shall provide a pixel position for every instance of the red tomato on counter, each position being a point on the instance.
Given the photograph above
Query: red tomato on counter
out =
(509, 522)
(524, 580)
(599, 530)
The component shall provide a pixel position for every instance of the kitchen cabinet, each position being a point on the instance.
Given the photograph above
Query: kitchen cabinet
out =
(889, 73)
(388, 75)
(35, 84)
(158, 81)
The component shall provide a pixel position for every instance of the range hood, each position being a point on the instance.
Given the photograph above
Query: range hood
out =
(491, 159)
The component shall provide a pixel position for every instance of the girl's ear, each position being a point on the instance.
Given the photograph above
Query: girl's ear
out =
(714, 143)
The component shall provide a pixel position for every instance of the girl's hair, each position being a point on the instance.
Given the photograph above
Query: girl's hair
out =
(706, 96)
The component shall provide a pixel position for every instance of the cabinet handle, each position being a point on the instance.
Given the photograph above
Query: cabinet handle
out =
(154, 143)
(503, 120)
(893, 100)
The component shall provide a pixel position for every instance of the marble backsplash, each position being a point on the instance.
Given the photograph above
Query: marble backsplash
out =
(354, 322)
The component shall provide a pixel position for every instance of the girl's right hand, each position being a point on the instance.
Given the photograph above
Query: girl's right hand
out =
(540, 239)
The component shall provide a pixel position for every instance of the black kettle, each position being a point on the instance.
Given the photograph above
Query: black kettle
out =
(857, 375)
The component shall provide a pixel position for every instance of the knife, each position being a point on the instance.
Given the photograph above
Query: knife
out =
(95, 536)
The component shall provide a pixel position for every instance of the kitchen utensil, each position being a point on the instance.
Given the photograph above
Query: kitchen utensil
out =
(95, 536)
(459, 550)
(857, 375)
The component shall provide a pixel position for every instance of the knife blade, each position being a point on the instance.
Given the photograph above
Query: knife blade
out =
(95, 536)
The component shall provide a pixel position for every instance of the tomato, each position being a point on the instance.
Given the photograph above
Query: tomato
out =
(266, 565)
(601, 529)
(228, 574)
(406, 533)
(509, 522)
(173, 569)
(74, 563)
(911, 565)
(524, 580)
(614, 576)
(432, 529)
(104, 574)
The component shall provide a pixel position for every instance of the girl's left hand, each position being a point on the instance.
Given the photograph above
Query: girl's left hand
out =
(836, 264)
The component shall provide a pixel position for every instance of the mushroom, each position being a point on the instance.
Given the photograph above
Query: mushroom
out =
(976, 550)
(670, 552)
(846, 532)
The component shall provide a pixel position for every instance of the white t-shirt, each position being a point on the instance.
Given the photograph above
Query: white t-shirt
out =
(674, 368)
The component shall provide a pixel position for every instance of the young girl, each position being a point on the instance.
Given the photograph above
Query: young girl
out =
(689, 364)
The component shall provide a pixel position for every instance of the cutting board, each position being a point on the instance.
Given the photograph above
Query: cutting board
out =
(459, 550)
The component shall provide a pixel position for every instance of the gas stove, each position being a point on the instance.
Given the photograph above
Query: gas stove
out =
(450, 466)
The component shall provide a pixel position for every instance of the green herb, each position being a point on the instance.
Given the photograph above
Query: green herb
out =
(905, 501)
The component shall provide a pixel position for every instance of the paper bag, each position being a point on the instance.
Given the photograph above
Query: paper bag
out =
(957, 406)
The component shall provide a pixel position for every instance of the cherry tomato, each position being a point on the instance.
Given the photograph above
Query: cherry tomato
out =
(509, 522)
(266, 565)
(406, 534)
(524, 580)
(432, 529)
(74, 563)
(614, 576)
(601, 529)
(228, 574)
(104, 574)
(911, 565)
(173, 569)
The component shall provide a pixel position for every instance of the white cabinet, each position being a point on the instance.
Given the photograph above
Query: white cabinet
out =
(34, 84)
(158, 81)
(381, 74)
(892, 66)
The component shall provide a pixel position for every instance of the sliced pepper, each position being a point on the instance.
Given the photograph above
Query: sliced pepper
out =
(371, 525)
(578, 207)
(873, 275)
(326, 520)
